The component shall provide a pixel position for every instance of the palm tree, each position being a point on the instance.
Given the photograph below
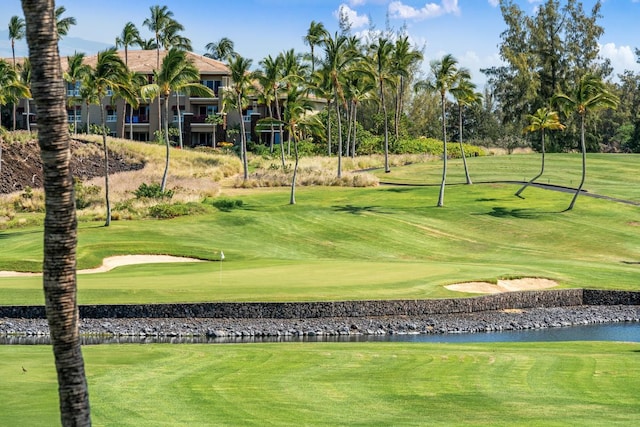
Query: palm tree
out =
(76, 72)
(109, 73)
(171, 37)
(589, 95)
(60, 225)
(403, 60)
(221, 50)
(269, 80)
(465, 94)
(241, 83)
(16, 32)
(148, 44)
(296, 107)
(543, 119)
(315, 34)
(443, 76)
(63, 24)
(177, 73)
(89, 94)
(129, 91)
(293, 72)
(214, 120)
(129, 36)
(25, 78)
(11, 88)
(381, 61)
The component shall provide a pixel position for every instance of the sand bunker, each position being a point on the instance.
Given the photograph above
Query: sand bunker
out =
(115, 261)
(526, 284)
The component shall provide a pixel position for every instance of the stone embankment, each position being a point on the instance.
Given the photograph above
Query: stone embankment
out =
(512, 311)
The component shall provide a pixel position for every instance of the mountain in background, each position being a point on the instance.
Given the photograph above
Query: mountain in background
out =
(68, 46)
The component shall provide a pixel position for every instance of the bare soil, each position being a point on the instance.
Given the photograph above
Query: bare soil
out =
(22, 166)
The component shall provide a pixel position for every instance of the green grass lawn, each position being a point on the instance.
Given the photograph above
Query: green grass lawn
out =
(388, 242)
(550, 384)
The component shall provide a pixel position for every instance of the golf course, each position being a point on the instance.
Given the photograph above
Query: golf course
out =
(381, 242)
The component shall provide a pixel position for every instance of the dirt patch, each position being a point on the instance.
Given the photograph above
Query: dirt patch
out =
(525, 284)
(22, 166)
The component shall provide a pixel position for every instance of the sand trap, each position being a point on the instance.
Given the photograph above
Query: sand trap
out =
(526, 284)
(115, 261)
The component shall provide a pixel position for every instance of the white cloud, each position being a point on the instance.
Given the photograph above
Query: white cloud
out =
(494, 3)
(356, 3)
(356, 21)
(621, 57)
(399, 10)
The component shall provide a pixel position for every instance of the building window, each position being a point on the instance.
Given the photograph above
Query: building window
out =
(112, 116)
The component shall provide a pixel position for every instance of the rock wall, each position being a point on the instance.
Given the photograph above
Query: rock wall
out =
(310, 310)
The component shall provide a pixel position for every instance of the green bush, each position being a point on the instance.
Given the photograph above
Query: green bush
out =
(85, 194)
(226, 205)
(152, 191)
(167, 211)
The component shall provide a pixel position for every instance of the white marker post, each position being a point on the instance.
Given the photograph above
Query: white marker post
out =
(221, 259)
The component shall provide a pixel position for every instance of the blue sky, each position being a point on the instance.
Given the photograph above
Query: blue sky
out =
(468, 29)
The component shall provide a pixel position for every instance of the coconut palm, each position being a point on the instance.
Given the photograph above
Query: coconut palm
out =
(269, 80)
(63, 24)
(293, 73)
(296, 106)
(177, 73)
(442, 77)
(465, 94)
(60, 224)
(590, 94)
(11, 87)
(381, 51)
(156, 23)
(129, 37)
(129, 91)
(110, 72)
(89, 95)
(25, 78)
(76, 72)
(543, 119)
(148, 44)
(221, 50)
(16, 32)
(403, 61)
(241, 83)
(315, 34)
(171, 37)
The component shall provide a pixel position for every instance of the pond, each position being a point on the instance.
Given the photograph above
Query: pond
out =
(626, 332)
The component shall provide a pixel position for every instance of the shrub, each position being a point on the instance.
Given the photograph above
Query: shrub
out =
(153, 191)
(86, 195)
(227, 205)
(167, 211)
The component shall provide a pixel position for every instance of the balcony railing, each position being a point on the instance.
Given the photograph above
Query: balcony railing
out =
(112, 118)
(137, 119)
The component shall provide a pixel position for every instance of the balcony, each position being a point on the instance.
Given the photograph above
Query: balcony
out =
(137, 119)
(112, 118)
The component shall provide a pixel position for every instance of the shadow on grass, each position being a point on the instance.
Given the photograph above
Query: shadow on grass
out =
(500, 212)
(20, 233)
(356, 210)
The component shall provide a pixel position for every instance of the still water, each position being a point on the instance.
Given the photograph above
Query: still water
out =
(627, 332)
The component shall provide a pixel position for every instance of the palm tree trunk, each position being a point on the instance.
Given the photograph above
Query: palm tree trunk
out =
(243, 142)
(60, 225)
(28, 116)
(292, 200)
(106, 166)
(537, 176)
(131, 123)
(329, 127)
(280, 129)
(464, 158)
(387, 169)
(163, 185)
(584, 163)
(444, 154)
(355, 129)
(339, 137)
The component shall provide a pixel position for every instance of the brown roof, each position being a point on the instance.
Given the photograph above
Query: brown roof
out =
(144, 61)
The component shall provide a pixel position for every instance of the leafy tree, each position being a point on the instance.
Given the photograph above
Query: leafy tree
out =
(465, 94)
(16, 32)
(444, 73)
(176, 74)
(543, 119)
(221, 50)
(60, 226)
(590, 94)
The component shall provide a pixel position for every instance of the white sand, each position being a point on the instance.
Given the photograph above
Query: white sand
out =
(115, 261)
(526, 284)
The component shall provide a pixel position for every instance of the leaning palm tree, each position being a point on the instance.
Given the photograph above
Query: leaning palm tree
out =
(16, 32)
(76, 72)
(221, 50)
(443, 76)
(590, 94)
(63, 24)
(241, 83)
(60, 224)
(129, 37)
(177, 73)
(109, 73)
(465, 94)
(543, 119)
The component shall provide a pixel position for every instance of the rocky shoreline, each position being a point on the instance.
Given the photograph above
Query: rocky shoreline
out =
(202, 329)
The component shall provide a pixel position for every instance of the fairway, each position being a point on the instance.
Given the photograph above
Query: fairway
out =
(567, 383)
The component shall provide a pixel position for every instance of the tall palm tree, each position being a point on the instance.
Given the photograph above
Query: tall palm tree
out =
(76, 72)
(293, 73)
(129, 91)
(16, 32)
(171, 37)
(221, 50)
(63, 24)
(110, 72)
(590, 94)
(322, 87)
(442, 77)
(403, 61)
(543, 119)
(148, 44)
(11, 88)
(269, 80)
(60, 225)
(89, 95)
(177, 73)
(465, 94)
(315, 34)
(241, 83)
(129, 37)
(381, 50)
(25, 78)
(296, 107)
